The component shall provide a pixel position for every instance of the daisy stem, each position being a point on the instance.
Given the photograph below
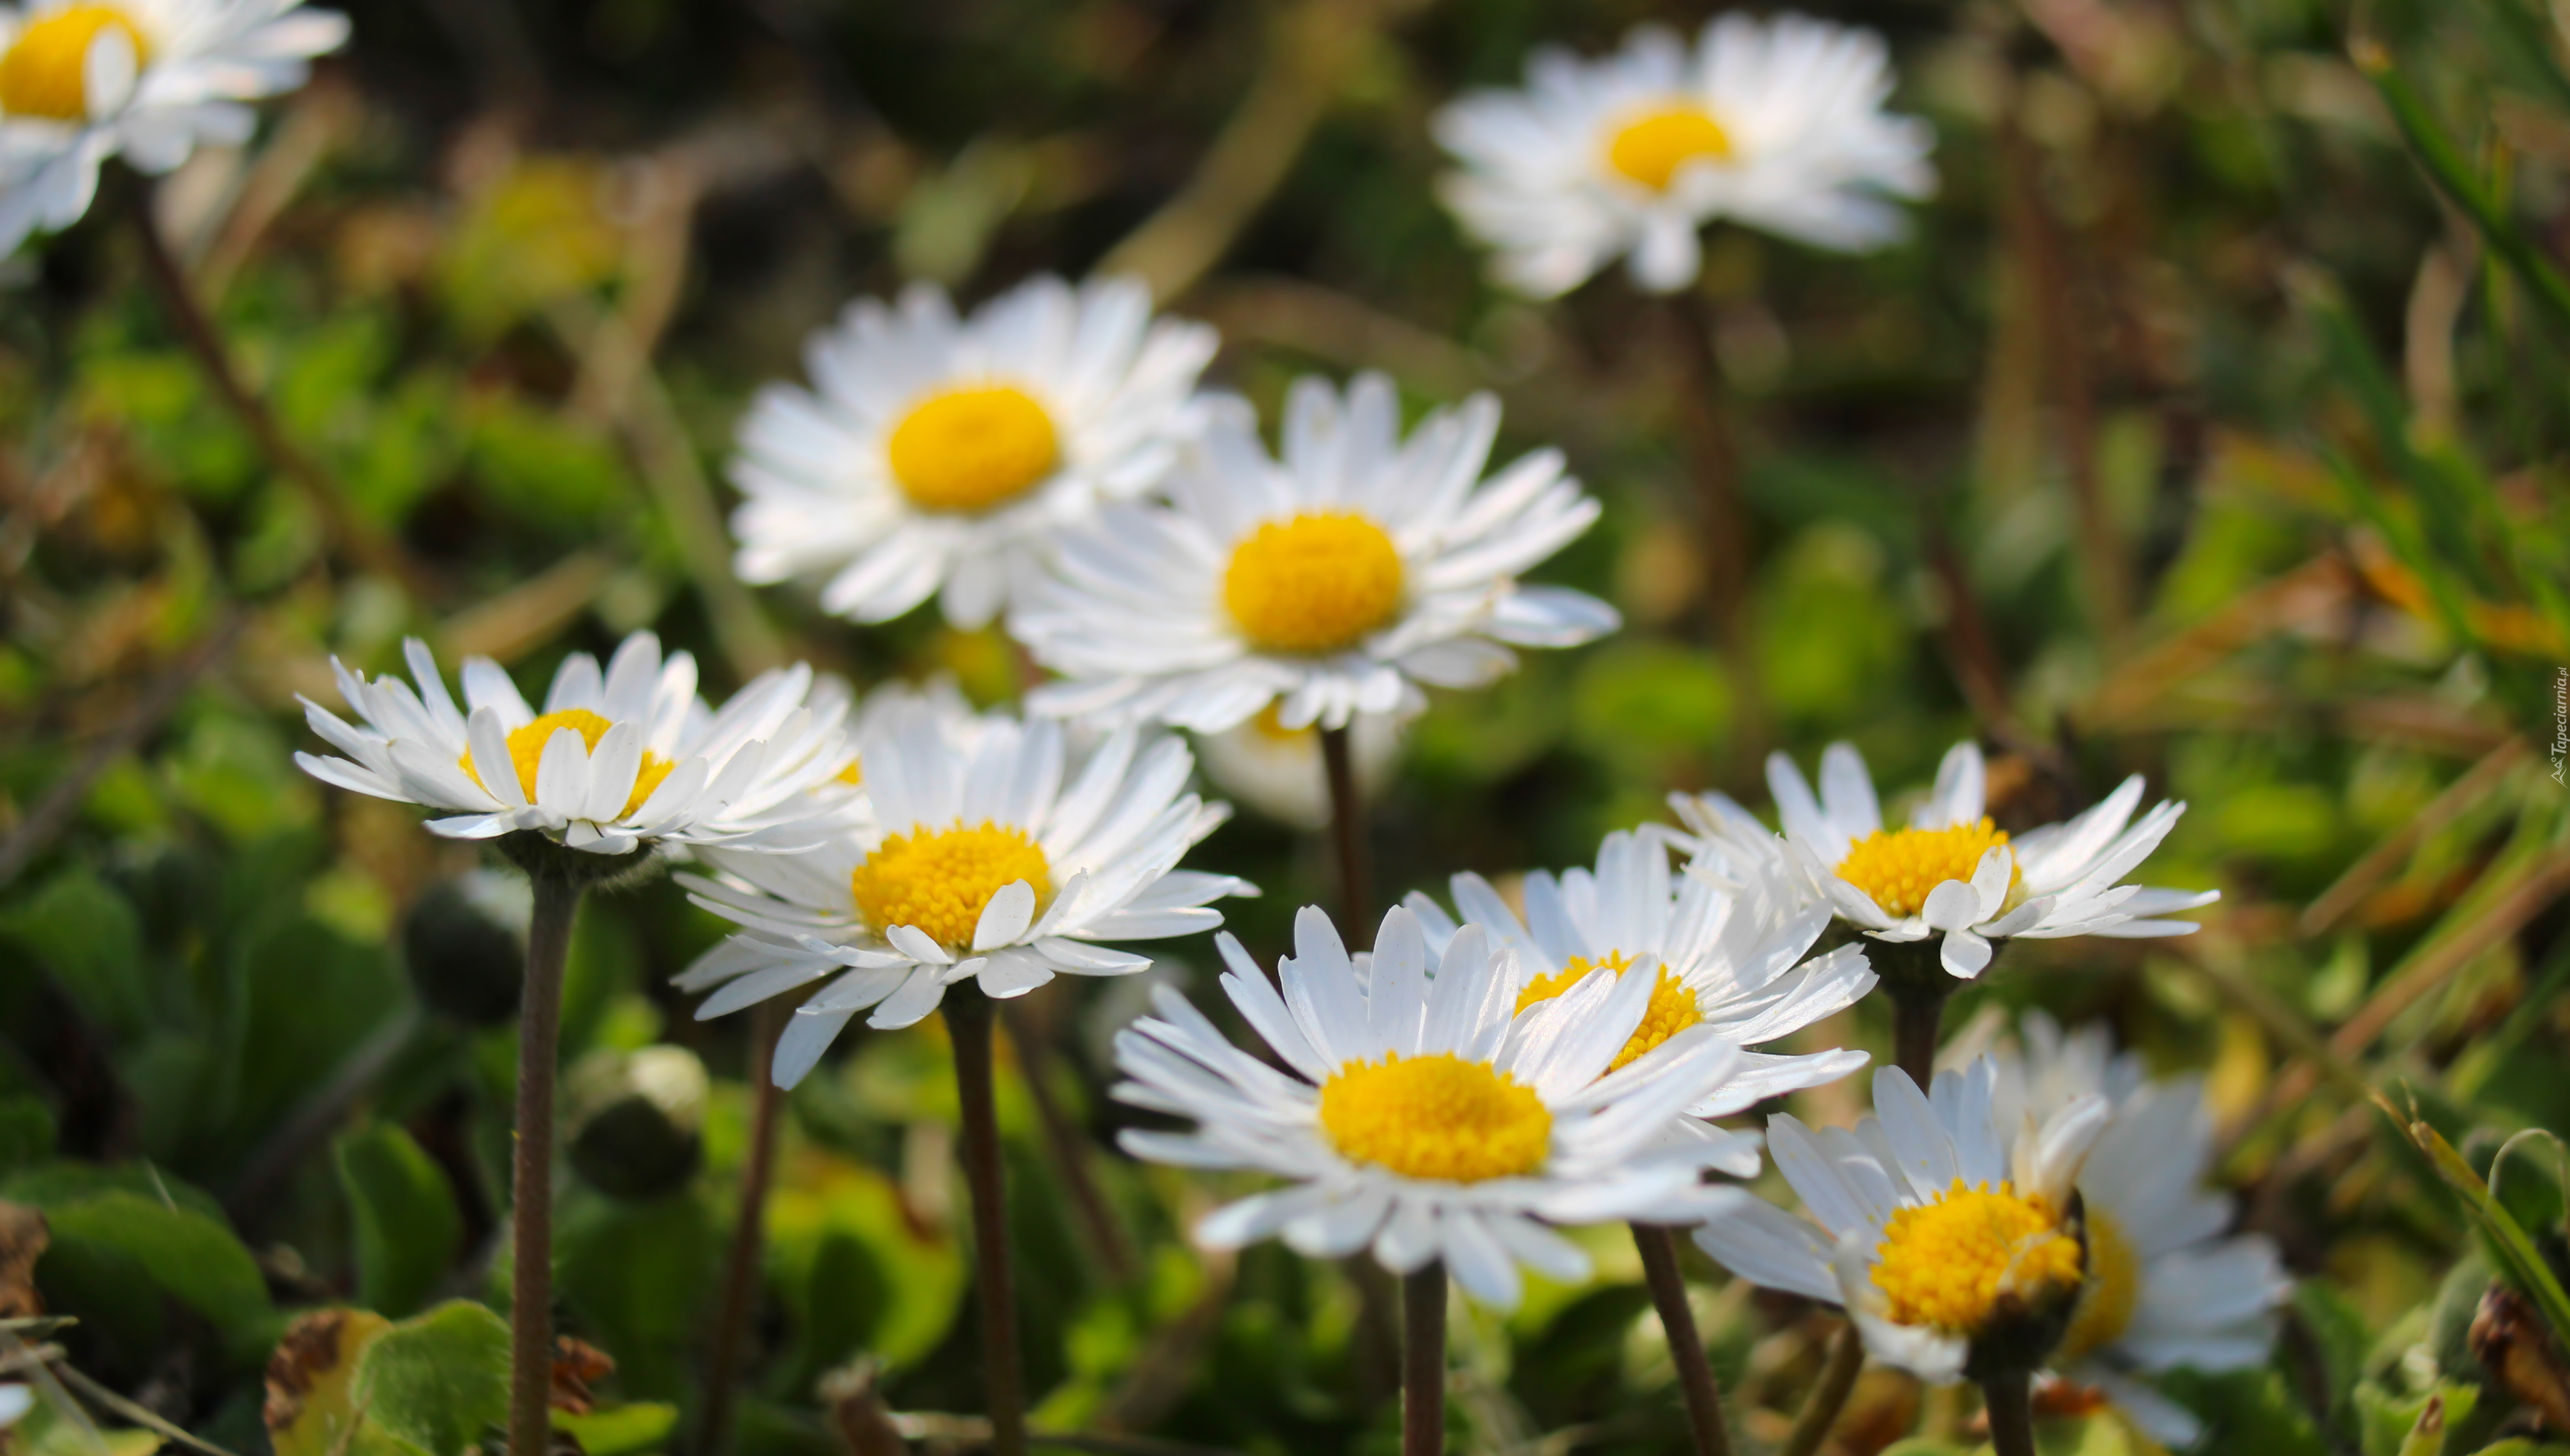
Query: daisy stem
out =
(2009, 1398)
(1658, 1245)
(740, 1268)
(1821, 1409)
(969, 1014)
(1347, 831)
(531, 1215)
(1422, 1361)
(1917, 1016)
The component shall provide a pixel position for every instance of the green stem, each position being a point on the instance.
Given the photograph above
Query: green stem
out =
(1658, 1246)
(740, 1267)
(1917, 1016)
(2009, 1399)
(1348, 836)
(531, 1283)
(1423, 1362)
(969, 1014)
(1821, 1409)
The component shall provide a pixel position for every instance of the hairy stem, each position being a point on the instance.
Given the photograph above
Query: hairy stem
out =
(1821, 1409)
(969, 1015)
(1917, 1016)
(1348, 835)
(740, 1266)
(531, 1217)
(2009, 1397)
(1423, 1362)
(1658, 1246)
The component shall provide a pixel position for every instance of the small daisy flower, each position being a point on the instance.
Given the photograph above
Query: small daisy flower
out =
(82, 81)
(2165, 1288)
(990, 856)
(1777, 125)
(1331, 583)
(619, 760)
(1420, 1115)
(1715, 959)
(1948, 1240)
(1279, 771)
(936, 456)
(1950, 873)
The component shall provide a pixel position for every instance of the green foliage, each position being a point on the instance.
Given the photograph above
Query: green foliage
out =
(407, 1228)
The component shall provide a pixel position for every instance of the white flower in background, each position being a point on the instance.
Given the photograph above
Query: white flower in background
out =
(618, 761)
(83, 81)
(2165, 1287)
(1421, 1117)
(1951, 874)
(1934, 1224)
(1777, 125)
(934, 455)
(992, 857)
(1278, 771)
(1715, 959)
(1330, 582)
(15, 1401)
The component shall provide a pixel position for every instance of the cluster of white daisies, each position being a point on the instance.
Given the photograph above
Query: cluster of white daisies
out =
(1487, 1073)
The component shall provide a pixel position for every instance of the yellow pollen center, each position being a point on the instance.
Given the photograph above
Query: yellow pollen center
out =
(970, 449)
(1317, 584)
(527, 753)
(939, 881)
(854, 775)
(2107, 1301)
(46, 73)
(1270, 724)
(1672, 1009)
(1650, 148)
(1949, 1264)
(1436, 1118)
(1898, 869)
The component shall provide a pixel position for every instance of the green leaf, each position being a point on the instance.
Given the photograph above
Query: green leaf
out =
(311, 1408)
(47, 1432)
(2445, 165)
(190, 1258)
(407, 1224)
(638, 1276)
(91, 939)
(26, 1132)
(2247, 1412)
(627, 1430)
(2339, 1337)
(2519, 1261)
(439, 1381)
(2386, 1423)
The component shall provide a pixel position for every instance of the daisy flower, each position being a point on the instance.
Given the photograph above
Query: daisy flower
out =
(1330, 582)
(1950, 875)
(989, 856)
(1278, 771)
(1422, 1115)
(1777, 125)
(936, 456)
(1714, 959)
(2165, 1287)
(1948, 1239)
(619, 760)
(82, 81)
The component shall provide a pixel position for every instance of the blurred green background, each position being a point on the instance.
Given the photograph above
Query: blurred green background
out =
(2211, 427)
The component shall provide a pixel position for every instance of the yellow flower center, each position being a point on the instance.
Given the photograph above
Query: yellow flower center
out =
(1270, 724)
(854, 775)
(1672, 1008)
(1949, 1264)
(1650, 148)
(2107, 1301)
(939, 879)
(1898, 869)
(969, 449)
(1436, 1118)
(1317, 584)
(527, 751)
(46, 73)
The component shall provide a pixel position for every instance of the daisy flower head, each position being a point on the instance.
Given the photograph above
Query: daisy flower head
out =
(82, 81)
(2165, 1287)
(620, 759)
(934, 455)
(1279, 770)
(1951, 875)
(1329, 581)
(1950, 1241)
(1422, 1115)
(990, 856)
(1729, 961)
(1777, 125)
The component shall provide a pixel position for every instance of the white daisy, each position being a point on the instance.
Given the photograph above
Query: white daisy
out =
(1951, 874)
(2165, 1287)
(1717, 959)
(1331, 583)
(1779, 125)
(1937, 1229)
(990, 857)
(1421, 1117)
(1279, 770)
(937, 455)
(618, 761)
(82, 81)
